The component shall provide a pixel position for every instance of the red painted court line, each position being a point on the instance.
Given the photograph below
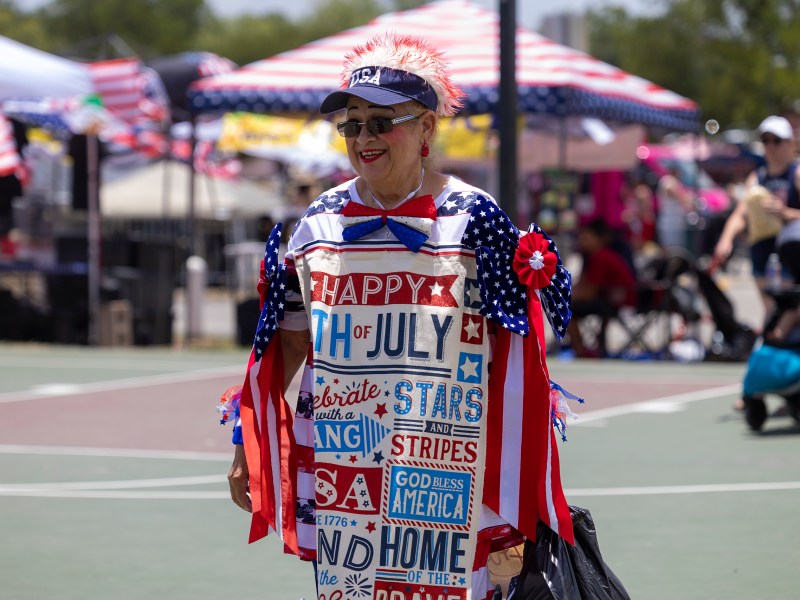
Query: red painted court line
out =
(179, 415)
(115, 384)
(177, 411)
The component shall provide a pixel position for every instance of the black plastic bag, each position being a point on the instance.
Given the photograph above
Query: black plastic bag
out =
(554, 570)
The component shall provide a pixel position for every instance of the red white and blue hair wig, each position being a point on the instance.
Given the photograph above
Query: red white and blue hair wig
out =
(390, 69)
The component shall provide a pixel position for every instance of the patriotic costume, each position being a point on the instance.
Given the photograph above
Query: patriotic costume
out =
(424, 434)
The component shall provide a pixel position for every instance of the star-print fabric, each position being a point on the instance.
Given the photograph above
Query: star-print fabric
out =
(504, 299)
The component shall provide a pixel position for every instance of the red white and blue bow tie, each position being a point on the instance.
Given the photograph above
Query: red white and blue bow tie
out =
(411, 222)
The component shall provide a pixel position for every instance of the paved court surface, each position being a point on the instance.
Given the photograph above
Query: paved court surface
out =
(112, 480)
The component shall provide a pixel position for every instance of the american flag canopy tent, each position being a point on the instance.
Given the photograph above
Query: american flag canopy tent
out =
(130, 91)
(552, 79)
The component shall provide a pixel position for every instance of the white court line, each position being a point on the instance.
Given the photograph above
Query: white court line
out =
(111, 485)
(86, 364)
(660, 490)
(112, 495)
(115, 452)
(129, 383)
(578, 492)
(657, 378)
(657, 405)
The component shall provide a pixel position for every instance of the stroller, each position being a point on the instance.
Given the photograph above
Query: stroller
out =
(774, 366)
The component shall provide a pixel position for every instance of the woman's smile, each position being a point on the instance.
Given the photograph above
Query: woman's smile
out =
(372, 155)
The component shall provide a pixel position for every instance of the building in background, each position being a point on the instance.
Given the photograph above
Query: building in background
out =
(568, 29)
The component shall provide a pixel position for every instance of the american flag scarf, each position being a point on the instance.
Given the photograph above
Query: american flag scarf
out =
(267, 420)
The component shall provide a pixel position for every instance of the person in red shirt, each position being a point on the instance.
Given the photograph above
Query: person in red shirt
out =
(607, 282)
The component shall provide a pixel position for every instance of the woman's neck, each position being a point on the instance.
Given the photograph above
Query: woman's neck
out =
(778, 166)
(391, 198)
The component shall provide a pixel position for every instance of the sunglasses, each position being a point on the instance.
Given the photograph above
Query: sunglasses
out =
(767, 140)
(376, 126)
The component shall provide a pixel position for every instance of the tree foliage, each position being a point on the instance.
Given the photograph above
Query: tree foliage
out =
(738, 59)
(22, 27)
(157, 27)
(150, 27)
(251, 37)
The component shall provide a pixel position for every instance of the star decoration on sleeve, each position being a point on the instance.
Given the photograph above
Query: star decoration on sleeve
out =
(331, 202)
(494, 238)
(503, 297)
(457, 202)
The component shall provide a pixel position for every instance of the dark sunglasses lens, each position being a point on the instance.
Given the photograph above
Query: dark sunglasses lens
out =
(379, 125)
(770, 140)
(348, 128)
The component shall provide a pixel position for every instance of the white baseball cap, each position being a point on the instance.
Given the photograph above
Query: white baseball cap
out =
(777, 126)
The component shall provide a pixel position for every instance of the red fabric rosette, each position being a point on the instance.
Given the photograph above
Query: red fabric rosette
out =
(534, 263)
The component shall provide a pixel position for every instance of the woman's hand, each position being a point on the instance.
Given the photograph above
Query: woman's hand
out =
(773, 206)
(239, 480)
(722, 250)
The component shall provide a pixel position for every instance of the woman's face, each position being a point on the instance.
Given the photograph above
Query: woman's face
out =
(588, 241)
(388, 160)
(776, 149)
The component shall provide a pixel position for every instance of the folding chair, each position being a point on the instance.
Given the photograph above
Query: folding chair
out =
(665, 288)
(647, 326)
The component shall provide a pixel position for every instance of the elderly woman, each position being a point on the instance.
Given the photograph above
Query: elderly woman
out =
(423, 437)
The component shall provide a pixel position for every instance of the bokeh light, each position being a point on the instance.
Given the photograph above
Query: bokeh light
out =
(712, 126)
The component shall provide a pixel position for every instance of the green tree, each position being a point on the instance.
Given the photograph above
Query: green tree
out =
(738, 59)
(408, 4)
(337, 15)
(248, 38)
(20, 26)
(150, 27)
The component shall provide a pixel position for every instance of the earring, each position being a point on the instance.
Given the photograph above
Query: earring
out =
(425, 150)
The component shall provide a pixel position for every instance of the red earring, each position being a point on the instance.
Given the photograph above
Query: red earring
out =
(425, 150)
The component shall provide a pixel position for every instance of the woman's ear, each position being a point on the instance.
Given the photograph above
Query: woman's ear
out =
(429, 121)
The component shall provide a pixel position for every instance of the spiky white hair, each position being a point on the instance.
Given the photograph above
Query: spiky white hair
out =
(413, 55)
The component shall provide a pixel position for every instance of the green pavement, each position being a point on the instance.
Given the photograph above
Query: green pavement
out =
(697, 544)
(665, 483)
